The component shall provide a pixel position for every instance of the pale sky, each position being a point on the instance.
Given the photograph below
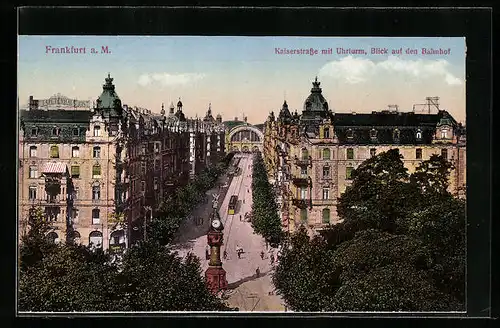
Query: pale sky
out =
(245, 74)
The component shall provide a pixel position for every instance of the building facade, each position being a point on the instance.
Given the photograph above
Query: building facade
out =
(242, 136)
(99, 168)
(310, 156)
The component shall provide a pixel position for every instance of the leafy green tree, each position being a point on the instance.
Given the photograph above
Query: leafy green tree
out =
(177, 207)
(432, 176)
(400, 246)
(379, 194)
(305, 276)
(154, 279)
(70, 278)
(34, 244)
(265, 220)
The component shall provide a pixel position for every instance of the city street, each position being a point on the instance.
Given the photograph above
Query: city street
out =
(246, 291)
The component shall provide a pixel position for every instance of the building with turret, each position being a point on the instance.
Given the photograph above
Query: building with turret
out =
(98, 170)
(310, 156)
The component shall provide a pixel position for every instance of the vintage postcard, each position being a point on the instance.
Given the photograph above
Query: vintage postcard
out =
(250, 174)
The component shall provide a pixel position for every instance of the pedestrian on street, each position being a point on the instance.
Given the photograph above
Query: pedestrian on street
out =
(262, 255)
(257, 272)
(224, 254)
(207, 253)
(240, 217)
(272, 258)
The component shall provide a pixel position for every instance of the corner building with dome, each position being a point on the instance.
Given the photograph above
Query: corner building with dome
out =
(310, 156)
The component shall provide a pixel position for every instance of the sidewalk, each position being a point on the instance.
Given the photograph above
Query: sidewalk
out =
(240, 272)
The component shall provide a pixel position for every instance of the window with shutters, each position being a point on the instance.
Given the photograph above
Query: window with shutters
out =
(75, 151)
(33, 172)
(303, 193)
(326, 153)
(54, 152)
(418, 153)
(96, 192)
(75, 171)
(444, 133)
(96, 152)
(32, 193)
(33, 151)
(326, 171)
(326, 133)
(326, 215)
(96, 216)
(348, 172)
(326, 193)
(96, 171)
(350, 153)
(97, 131)
(444, 153)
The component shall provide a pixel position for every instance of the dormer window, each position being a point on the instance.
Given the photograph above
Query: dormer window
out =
(76, 132)
(97, 131)
(34, 132)
(350, 134)
(56, 131)
(419, 134)
(396, 134)
(444, 133)
(326, 132)
(373, 133)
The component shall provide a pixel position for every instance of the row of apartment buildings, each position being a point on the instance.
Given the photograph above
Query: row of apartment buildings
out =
(310, 156)
(95, 167)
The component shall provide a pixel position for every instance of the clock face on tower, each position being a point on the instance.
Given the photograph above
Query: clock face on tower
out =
(216, 224)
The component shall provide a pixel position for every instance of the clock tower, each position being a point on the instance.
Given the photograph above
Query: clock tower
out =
(215, 275)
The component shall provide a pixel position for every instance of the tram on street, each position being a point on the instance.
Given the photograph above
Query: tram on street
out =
(233, 201)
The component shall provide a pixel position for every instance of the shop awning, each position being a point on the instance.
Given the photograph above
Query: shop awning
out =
(54, 168)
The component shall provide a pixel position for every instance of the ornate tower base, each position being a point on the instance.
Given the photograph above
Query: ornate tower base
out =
(216, 279)
(215, 275)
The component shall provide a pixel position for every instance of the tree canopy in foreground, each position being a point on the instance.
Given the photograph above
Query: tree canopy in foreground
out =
(400, 246)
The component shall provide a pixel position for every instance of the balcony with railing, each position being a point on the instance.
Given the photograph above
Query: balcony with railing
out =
(300, 203)
(302, 180)
(303, 161)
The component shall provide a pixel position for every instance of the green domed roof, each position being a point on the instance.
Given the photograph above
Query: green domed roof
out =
(316, 101)
(109, 98)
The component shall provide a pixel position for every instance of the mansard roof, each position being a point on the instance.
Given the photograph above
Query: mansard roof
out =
(386, 119)
(109, 98)
(56, 116)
